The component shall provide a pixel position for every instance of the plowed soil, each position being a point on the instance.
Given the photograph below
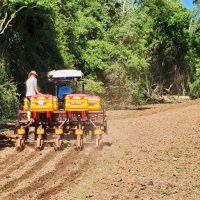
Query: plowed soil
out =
(149, 153)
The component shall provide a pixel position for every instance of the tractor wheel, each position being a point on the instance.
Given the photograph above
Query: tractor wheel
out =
(39, 143)
(20, 143)
(58, 146)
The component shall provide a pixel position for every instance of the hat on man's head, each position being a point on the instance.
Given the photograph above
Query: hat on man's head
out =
(33, 72)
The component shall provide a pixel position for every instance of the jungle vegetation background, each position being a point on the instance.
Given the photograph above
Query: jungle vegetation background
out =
(130, 51)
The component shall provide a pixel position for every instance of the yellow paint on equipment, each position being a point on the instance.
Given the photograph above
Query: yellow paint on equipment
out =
(58, 131)
(94, 103)
(76, 102)
(78, 132)
(98, 132)
(40, 131)
(21, 131)
(55, 103)
(25, 107)
(44, 102)
(70, 132)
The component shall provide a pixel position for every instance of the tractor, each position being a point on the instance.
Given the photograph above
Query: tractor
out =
(67, 115)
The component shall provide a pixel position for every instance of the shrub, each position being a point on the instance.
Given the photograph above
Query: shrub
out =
(8, 97)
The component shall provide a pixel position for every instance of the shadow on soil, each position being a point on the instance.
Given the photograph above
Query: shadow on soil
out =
(6, 126)
(141, 108)
(108, 144)
(6, 141)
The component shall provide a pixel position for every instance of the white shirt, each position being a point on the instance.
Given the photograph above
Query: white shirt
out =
(31, 83)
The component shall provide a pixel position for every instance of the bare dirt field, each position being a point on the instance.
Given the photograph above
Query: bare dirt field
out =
(150, 153)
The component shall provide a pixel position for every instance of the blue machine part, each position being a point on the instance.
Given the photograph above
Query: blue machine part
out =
(64, 90)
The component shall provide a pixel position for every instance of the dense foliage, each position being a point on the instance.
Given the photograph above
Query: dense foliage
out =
(128, 50)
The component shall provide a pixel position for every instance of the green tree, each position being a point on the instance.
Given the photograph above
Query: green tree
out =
(168, 44)
(126, 48)
(194, 52)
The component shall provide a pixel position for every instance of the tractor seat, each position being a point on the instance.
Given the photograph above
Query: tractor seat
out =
(64, 90)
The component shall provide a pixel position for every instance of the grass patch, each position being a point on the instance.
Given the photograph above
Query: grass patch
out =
(6, 120)
(3, 129)
(197, 187)
(164, 193)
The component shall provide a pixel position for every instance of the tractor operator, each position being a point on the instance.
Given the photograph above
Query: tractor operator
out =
(31, 89)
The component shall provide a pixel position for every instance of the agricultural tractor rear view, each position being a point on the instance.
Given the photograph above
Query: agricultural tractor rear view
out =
(67, 115)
